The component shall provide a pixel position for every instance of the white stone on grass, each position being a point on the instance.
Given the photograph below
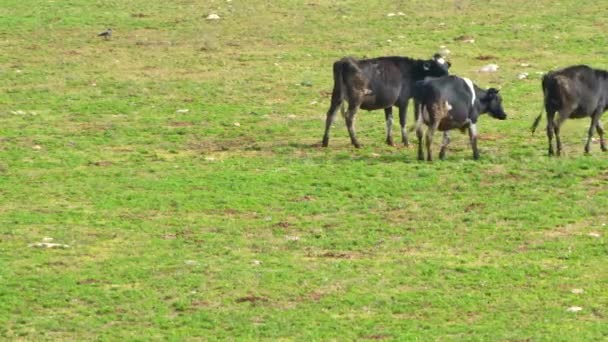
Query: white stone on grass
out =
(48, 245)
(489, 68)
(213, 16)
(577, 291)
(574, 309)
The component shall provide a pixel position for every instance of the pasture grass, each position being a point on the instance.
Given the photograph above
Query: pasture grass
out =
(179, 161)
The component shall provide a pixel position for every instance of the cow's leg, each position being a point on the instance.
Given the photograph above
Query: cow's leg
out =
(419, 125)
(444, 144)
(600, 132)
(388, 114)
(350, 123)
(550, 124)
(473, 139)
(403, 122)
(331, 116)
(563, 115)
(429, 140)
(592, 128)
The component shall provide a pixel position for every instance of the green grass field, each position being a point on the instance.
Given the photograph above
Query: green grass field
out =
(179, 162)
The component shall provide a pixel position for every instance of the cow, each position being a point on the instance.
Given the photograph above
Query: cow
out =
(450, 102)
(378, 83)
(577, 91)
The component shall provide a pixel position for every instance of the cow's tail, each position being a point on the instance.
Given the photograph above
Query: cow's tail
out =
(337, 95)
(345, 69)
(556, 95)
(545, 86)
(537, 120)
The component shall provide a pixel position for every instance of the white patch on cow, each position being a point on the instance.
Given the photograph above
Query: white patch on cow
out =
(448, 106)
(389, 124)
(441, 61)
(471, 88)
(473, 128)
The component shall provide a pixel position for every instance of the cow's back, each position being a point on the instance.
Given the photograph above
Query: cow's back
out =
(579, 88)
(450, 88)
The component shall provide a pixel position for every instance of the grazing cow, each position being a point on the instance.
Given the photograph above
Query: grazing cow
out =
(378, 83)
(452, 102)
(575, 92)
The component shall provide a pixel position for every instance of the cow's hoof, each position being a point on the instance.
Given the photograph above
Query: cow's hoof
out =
(390, 142)
(357, 145)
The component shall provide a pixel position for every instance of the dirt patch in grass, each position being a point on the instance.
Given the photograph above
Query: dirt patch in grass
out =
(315, 296)
(334, 255)
(283, 224)
(252, 299)
(474, 207)
(101, 163)
(495, 170)
(491, 137)
(200, 304)
(91, 281)
(306, 198)
(485, 57)
(376, 337)
(180, 124)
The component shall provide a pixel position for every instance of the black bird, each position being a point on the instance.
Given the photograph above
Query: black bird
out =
(106, 34)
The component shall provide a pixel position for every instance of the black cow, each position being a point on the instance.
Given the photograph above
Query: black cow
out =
(452, 102)
(378, 83)
(575, 92)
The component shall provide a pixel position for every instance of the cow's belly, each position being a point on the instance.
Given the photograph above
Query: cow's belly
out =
(578, 115)
(373, 103)
(379, 98)
(454, 119)
(447, 124)
(374, 106)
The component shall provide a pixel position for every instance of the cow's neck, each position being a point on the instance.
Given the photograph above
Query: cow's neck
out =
(482, 106)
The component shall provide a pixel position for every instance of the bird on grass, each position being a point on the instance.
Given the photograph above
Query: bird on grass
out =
(106, 34)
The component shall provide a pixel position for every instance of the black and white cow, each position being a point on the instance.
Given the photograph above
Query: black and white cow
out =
(452, 102)
(575, 92)
(378, 83)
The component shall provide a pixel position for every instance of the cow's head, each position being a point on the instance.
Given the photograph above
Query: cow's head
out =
(492, 101)
(436, 66)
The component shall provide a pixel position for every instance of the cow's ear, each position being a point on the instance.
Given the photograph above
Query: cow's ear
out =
(426, 66)
(449, 64)
(492, 92)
